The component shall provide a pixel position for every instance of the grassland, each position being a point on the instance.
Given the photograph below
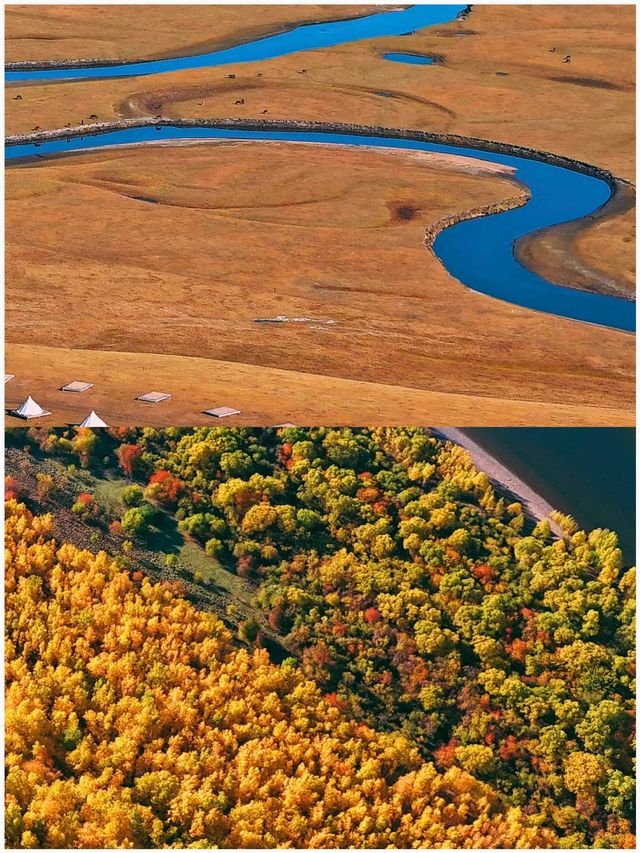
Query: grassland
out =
(206, 241)
(319, 233)
(132, 32)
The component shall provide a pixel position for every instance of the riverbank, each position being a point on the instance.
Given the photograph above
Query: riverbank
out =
(587, 473)
(456, 140)
(574, 254)
(544, 107)
(42, 38)
(226, 243)
(621, 193)
(536, 508)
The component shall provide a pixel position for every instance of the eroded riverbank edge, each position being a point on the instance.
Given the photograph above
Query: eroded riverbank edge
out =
(550, 252)
(564, 260)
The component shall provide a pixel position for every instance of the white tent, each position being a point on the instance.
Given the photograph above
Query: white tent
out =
(30, 409)
(93, 421)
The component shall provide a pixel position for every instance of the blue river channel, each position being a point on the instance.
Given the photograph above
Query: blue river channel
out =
(309, 37)
(477, 252)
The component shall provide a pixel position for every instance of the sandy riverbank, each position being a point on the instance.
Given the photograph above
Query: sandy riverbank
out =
(533, 504)
(64, 36)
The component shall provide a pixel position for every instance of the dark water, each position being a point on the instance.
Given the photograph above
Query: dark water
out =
(586, 472)
(478, 252)
(409, 58)
(309, 37)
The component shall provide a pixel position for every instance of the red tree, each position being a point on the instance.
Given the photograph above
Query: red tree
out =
(371, 614)
(11, 489)
(128, 457)
(165, 488)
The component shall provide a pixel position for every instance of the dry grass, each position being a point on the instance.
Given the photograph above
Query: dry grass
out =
(228, 233)
(242, 231)
(265, 395)
(584, 109)
(610, 247)
(529, 107)
(132, 32)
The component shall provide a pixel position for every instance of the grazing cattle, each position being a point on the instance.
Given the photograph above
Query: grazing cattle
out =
(303, 71)
(241, 101)
(93, 116)
(264, 111)
(552, 50)
(230, 76)
(18, 98)
(259, 74)
(567, 59)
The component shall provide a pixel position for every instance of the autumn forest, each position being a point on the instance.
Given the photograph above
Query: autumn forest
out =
(321, 638)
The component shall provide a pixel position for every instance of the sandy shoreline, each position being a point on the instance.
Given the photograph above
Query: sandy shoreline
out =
(533, 504)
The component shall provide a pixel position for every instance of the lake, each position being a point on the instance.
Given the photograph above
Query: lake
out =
(586, 472)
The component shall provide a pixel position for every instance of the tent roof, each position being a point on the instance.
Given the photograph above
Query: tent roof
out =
(30, 409)
(222, 412)
(93, 420)
(154, 397)
(77, 386)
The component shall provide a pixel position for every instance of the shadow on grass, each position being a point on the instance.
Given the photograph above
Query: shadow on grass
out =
(165, 535)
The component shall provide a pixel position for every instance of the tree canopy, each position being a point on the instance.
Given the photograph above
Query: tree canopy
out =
(424, 611)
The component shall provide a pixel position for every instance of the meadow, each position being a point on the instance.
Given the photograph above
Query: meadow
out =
(335, 236)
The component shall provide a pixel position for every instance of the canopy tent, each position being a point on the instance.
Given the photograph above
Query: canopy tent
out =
(77, 387)
(92, 421)
(30, 409)
(154, 397)
(222, 412)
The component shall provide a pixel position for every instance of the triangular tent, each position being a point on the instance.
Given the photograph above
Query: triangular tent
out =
(93, 420)
(30, 409)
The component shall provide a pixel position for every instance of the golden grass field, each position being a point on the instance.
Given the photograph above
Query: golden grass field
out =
(228, 233)
(135, 32)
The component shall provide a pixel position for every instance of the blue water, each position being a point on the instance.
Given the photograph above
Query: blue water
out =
(478, 252)
(409, 58)
(308, 37)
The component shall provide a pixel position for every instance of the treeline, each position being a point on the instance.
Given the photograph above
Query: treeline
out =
(419, 602)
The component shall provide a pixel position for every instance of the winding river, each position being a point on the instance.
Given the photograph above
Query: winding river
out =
(479, 252)
(308, 37)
